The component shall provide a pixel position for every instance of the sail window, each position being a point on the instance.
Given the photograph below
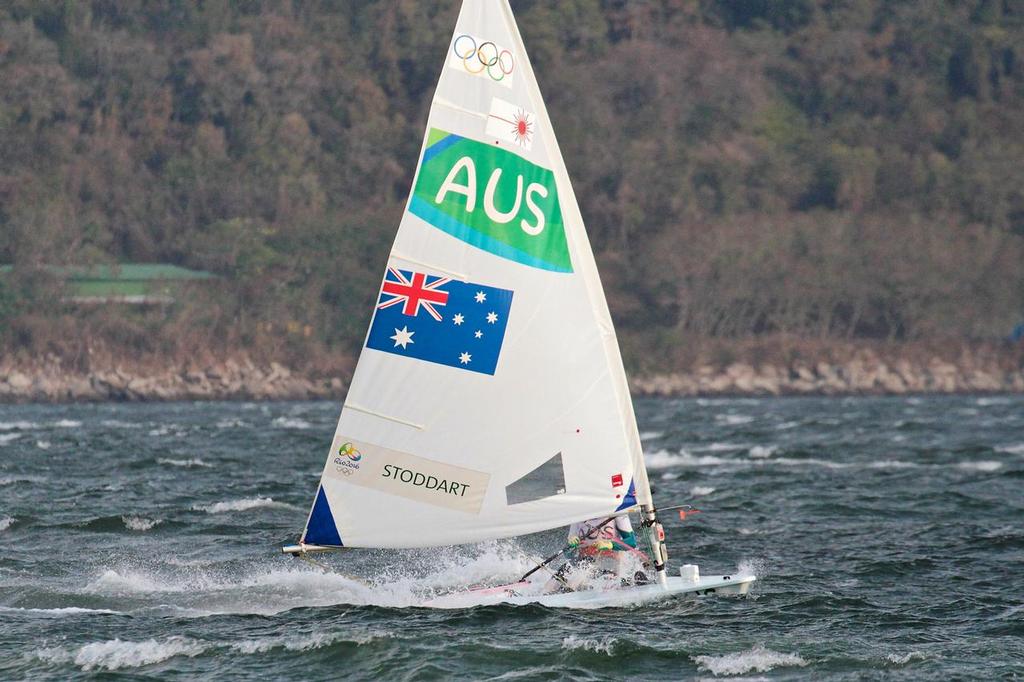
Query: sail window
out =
(546, 480)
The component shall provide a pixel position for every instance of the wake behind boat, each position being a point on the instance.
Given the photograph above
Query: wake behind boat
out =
(490, 400)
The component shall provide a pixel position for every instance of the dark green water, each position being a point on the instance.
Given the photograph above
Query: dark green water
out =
(138, 541)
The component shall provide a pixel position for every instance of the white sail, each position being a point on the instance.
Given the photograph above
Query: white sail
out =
(490, 399)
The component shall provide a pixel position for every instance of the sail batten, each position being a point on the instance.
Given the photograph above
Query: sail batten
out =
(489, 399)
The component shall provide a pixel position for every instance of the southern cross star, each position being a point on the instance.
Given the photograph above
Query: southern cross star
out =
(480, 297)
(403, 337)
(458, 319)
(492, 317)
(478, 333)
(465, 358)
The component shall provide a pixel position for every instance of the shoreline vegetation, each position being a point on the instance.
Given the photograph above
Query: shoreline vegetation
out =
(790, 197)
(853, 369)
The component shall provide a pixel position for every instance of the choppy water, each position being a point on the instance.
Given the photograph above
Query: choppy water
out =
(888, 535)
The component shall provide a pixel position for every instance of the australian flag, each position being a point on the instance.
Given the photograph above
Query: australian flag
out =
(438, 319)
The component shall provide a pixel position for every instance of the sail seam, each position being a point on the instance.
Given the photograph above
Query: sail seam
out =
(372, 413)
(455, 275)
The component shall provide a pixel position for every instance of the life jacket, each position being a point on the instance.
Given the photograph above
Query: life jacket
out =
(590, 537)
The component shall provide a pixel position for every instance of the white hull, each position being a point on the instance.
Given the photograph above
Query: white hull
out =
(676, 588)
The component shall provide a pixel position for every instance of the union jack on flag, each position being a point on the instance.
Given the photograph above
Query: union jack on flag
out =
(464, 325)
(414, 292)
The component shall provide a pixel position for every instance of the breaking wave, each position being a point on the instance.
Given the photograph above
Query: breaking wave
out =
(189, 463)
(762, 452)
(199, 591)
(240, 505)
(980, 466)
(57, 612)
(6, 522)
(734, 419)
(115, 653)
(18, 426)
(701, 490)
(1015, 449)
(603, 645)
(663, 459)
(140, 523)
(292, 423)
(758, 659)
(8, 437)
(903, 659)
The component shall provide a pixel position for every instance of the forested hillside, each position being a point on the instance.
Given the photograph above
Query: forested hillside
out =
(836, 170)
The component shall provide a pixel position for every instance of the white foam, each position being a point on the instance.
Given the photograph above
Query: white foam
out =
(11, 480)
(6, 522)
(189, 463)
(669, 476)
(986, 402)
(758, 659)
(6, 438)
(111, 582)
(663, 459)
(240, 505)
(724, 447)
(115, 653)
(18, 426)
(200, 591)
(292, 423)
(1015, 449)
(903, 659)
(139, 523)
(701, 490)
(734, 419)
(67, 424)
(59, 612)
(795, 462)
(762, 452)
(980, 466)
(118, 424)
(231, 423)
(892, 464)
(43, 444)
(755, 567)
(650, 435)
(603, 645)
(306, 642)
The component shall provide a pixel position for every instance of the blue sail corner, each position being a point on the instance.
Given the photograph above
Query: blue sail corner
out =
(321, 529)
(630, 499)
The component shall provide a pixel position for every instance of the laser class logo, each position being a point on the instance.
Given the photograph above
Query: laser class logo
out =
(347, 459)
(482, 58)
(493, 199)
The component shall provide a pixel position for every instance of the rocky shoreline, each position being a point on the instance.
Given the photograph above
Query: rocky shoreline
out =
(863, 374)
(229, 380)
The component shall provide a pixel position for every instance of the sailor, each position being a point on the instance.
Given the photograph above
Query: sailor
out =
(599, 545)
(602, 537)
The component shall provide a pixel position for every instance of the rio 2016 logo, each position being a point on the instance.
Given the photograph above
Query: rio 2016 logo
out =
(346, 461)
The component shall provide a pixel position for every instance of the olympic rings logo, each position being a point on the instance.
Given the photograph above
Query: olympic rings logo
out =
(485, 57)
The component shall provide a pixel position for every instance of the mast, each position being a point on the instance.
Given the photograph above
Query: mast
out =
(587, 267)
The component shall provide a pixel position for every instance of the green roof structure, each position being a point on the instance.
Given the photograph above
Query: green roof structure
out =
(134, 283)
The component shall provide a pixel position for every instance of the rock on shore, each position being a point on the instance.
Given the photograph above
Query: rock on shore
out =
(230, 380)
(864, 373)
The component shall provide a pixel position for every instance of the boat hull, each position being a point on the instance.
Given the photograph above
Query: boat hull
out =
(675, 588)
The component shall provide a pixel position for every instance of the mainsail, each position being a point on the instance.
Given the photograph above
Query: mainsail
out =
(490, 399)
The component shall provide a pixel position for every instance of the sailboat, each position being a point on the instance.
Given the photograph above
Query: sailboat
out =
(489, 400)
